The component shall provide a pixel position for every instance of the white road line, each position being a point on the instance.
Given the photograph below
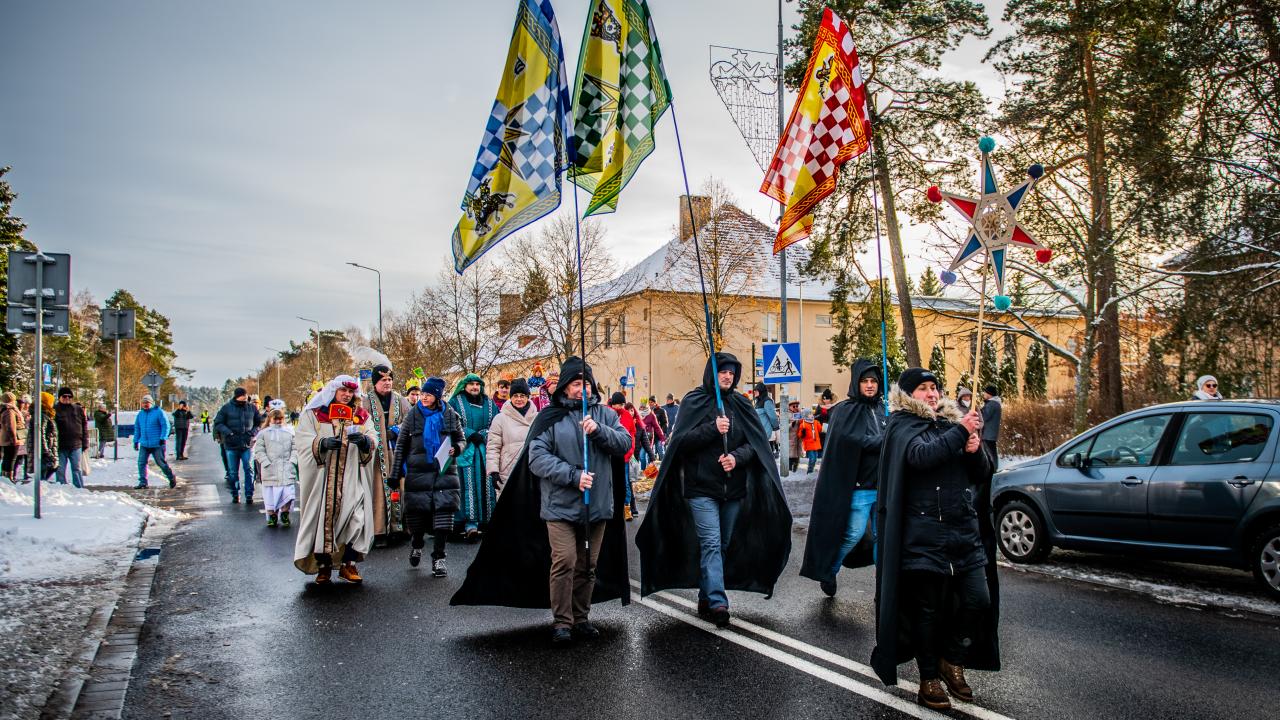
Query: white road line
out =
(825, 655)
(206, 495)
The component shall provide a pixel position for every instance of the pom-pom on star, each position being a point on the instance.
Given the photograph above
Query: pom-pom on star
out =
(994, 221)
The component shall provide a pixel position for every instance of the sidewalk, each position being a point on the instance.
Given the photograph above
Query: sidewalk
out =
(59, 577)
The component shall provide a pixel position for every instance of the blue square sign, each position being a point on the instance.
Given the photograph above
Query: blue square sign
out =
(781, 363)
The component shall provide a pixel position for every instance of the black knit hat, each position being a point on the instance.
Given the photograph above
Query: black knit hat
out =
(991, 390)
(912, 378)
(239, 393)
(617, 399)
(519, 386)
(379, 372)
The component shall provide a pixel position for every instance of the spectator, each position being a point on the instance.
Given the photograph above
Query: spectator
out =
(48, 440)
(73, 438)
(672, 411)
(661, 416)
(204, 421)
(181, 426)
(103, 422)
(24, 412)
(964, 399)
(810, 437)
(1206, 388)
(991, 409)
(150, 435)
(10, 418)
(654, 433)
(237, 423)
(793, 435)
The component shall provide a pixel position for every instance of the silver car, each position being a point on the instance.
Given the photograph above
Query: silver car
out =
(1191, 481)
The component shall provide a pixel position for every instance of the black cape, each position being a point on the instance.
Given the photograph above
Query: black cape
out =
(757, 552)
(833, 495)
(512, 567)
(893, 624)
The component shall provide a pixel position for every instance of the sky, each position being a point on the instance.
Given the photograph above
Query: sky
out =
(223, 161)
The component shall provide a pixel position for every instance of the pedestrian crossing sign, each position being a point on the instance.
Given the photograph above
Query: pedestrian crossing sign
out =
(781, 363)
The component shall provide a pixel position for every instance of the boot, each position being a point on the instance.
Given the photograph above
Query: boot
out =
(932, 695)
(953, 676)
(284, 518)
(323, 577)
(271, 519)
(828, 587)
(349, 573)
(626, 513)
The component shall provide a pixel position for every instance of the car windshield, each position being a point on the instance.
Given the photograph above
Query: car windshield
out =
(1129, 443)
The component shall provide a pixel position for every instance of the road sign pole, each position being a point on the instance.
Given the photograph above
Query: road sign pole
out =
(115, 413)
(37, 428)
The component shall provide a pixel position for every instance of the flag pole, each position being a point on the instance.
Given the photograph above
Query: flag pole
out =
(702, 281)
(582, 345)
(977, 351)
(884, 334)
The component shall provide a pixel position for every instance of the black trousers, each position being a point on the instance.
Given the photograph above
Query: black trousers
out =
(438, 523)
(10, 456)
(180, 438)
(937, 631)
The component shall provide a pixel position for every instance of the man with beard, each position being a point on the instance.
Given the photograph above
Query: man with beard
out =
(387, 410)
(717, 518)
(477, 411)
(937, 596)
(846, 489)
(543, 535)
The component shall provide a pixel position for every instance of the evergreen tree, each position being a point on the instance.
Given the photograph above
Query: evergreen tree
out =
(1035, 376)
(866, 340)
(1009, 367)
(537, 288)
(11, 229)
(1018, 290)
(842, 346)
(938, 365)
(989, 371)
(929, 286)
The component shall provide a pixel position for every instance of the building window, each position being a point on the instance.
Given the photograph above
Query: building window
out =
(608, 332)
(818, 389)
(622, 329)
(770, 328)
(822, 320)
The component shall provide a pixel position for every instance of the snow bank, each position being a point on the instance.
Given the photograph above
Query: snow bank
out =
(81, 533)
(106, 472)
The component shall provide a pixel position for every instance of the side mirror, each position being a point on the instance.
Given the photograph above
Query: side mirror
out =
(1075, 460)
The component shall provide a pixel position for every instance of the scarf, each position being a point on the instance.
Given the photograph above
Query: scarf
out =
(432, 426)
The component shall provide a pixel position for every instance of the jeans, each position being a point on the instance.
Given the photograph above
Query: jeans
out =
(180, 441)
(237, 459)
(713, 521)
(935, 631)
(859, 513)
(102, 447)
(71, 457)
(659, 448)
(642, 455)
(158, 454)
(813, 458)
(626, 471)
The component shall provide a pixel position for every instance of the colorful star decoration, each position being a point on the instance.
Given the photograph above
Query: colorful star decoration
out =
(994, 222)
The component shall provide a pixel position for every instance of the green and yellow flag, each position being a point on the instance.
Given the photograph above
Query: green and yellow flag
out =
(621, 92)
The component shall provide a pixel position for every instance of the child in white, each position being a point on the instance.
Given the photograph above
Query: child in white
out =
(274, 453)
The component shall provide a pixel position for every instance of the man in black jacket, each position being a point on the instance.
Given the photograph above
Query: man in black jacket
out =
(935, 570)
(73, 436)
(237, 423)
(717, 519)
(181, 426)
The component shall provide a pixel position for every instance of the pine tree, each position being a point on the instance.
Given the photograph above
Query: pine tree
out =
(537, 289)
(990, 371)
(11, 229)
(938, 365)
(929, 285)
(866, 340)
(1035, 376)
(1009, 367)
(1018, 290)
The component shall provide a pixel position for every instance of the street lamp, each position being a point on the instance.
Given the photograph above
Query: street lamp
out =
(317, 322)
(381, 345)
(279, 354)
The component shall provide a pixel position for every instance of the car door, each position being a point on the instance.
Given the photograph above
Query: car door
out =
(1103, 494)
(1214, 470)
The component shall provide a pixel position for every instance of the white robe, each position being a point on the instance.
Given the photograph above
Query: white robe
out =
(335, 514)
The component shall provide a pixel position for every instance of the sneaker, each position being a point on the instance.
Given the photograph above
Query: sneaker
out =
(349, 573)
(585, 631)
(438, 568)
(173, 482)
(415, 557)
(271, 519)
(828, 587)
(140, 486)
(720, 616)
(561, 637)
(284, 519)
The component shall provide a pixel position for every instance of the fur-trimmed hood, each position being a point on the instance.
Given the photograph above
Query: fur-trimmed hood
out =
(947, 408)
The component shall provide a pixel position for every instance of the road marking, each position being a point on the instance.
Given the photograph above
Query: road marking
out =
(856, 686)
(206, 495)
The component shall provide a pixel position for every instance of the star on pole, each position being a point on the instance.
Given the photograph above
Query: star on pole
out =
(993, 222)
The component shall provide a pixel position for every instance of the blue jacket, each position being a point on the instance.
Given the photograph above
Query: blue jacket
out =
(151, 428)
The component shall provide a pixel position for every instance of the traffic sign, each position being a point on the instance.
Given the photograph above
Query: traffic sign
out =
(781, 362)
(56, 279)
(20, 319)
(366, 374)
(118, 324)
(631, 376)
(153, 380)
(48, 374)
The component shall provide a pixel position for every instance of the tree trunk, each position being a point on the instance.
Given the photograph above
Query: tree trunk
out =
(900, 282)
(1084, 382)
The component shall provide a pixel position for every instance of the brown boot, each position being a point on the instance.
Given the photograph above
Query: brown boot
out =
(953, 676)
(350, 574)
(323, 577)
(932, 695)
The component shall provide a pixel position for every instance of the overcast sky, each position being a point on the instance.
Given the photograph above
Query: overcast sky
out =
(223, 160)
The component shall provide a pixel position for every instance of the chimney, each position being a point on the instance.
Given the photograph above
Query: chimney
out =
(510, 311)
(701, 214)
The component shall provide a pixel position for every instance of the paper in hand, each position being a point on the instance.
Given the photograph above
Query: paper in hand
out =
(442, 455)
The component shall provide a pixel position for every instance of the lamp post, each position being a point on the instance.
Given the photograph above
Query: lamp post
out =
(279, 353)
(317, 322)
(381, 345)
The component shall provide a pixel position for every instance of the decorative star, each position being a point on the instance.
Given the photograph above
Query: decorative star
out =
(993, 219)
(512, 133)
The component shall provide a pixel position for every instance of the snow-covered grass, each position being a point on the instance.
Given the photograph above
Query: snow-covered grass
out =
(106, 472)
(81, 532)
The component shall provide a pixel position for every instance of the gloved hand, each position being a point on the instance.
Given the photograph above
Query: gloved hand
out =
(361, 441)
(330, 444)
(476, 438)
(496, 478)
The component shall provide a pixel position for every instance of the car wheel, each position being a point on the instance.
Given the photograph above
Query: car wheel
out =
(1265, 559)
(1021, 533)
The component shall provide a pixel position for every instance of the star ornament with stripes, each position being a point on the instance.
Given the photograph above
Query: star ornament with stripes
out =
(993, 221)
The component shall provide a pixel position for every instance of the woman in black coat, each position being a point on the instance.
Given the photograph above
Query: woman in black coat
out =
(429, 494)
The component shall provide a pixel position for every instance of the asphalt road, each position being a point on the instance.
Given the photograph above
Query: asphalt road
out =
(235, 631)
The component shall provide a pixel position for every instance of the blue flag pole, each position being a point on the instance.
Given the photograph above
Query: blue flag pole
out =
(702, 281)
(884, 335)
(582, 344)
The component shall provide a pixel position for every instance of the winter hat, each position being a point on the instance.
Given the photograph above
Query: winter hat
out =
(1200, 381)
(519, 386)
(434, 386)
(964, 392)
(991, 390)
(46, 402)
(379, 372)
(617, 399)
(148, 399)
(537, 369)
(64, 391)
(239, 393)
(276, 404)
(912, 378)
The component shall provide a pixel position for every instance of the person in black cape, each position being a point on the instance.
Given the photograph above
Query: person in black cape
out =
(843, 499)
(512, 567)
(937, 593)
(754, 540)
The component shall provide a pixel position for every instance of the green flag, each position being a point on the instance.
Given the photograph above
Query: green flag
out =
(621, 92)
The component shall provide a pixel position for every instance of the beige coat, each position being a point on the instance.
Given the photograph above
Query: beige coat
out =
(506, 439)
(333, 490)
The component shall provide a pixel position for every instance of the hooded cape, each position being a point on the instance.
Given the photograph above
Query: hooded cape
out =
(757, 552)
(512, 567)
(893, 625)
(833, 496)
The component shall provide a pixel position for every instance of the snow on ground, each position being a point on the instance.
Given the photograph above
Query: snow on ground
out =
(108, 472)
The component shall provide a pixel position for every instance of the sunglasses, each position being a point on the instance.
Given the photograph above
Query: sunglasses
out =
(1211, 384)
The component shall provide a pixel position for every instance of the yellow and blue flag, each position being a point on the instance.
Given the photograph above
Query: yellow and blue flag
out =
(517, 175)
